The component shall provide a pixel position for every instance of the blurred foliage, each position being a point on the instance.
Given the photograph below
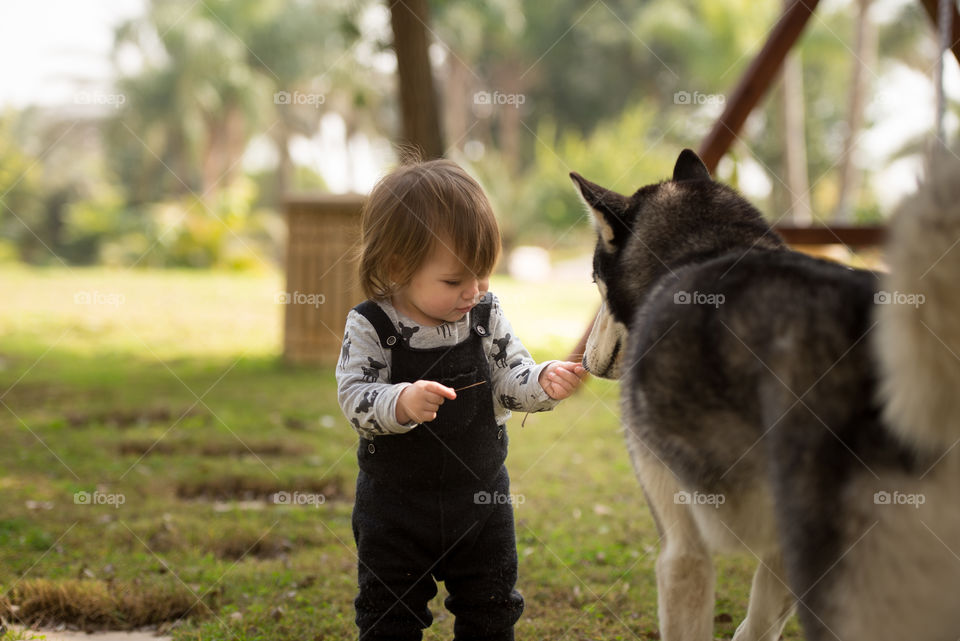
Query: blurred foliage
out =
(163, 179)
(19, 206)
(227, 232)
(541, 206)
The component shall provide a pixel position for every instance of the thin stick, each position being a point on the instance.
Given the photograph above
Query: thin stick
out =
(469, 386)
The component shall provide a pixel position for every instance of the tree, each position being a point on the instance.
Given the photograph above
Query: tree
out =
(189, 113)
(217, 72)
(418, 98)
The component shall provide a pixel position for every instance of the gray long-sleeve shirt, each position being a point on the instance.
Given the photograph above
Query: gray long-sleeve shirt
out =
(369, 399)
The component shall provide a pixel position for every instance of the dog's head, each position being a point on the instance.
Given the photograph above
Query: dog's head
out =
(644, 236)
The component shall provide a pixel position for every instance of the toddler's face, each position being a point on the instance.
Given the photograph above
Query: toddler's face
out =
(443, 289)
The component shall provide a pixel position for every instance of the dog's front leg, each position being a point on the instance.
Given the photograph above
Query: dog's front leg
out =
(685, 582)
(771, 602)
(685, 575)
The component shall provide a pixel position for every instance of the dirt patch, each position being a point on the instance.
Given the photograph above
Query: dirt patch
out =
(132, 417)
(29, 394)
(232, 545)
(234, 487)
(225, 448)
(99, 605)
(68, 635)
(241, 546)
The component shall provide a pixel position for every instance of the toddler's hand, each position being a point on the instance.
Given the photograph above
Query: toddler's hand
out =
(420, 401)
(560, 378)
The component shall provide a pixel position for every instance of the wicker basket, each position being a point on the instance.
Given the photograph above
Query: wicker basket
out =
(322, 283)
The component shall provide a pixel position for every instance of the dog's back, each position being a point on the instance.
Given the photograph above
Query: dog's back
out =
(738, 334)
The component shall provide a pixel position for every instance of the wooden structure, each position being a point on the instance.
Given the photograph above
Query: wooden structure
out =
(322, 282)
(754, 84)
(853, 236)
(761, 73)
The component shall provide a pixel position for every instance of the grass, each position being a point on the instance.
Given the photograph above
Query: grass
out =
(146, 439)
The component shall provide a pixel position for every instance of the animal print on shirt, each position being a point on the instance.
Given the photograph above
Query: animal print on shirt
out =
(372, 374)
(367, 403)
(406, 333)
(345, 352)
(500, 358)
(510, 403)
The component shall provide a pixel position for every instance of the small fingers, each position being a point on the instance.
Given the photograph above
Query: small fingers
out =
(425, 416)
(561, 390)
(442, 390)
(575, 368)
(434, 400)
(561, 374)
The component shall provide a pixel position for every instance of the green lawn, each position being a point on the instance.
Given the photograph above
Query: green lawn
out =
(167, 404)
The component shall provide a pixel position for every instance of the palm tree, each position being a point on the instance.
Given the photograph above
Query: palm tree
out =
(190, 111)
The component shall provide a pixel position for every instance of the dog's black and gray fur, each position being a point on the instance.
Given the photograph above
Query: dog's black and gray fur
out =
(772, 405)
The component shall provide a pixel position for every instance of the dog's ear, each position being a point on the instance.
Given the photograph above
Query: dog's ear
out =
(609, 210)
(690, 167)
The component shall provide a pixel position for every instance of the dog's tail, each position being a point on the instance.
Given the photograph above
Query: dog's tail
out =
(918, 314)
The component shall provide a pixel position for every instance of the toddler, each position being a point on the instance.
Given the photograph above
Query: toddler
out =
(429, 372)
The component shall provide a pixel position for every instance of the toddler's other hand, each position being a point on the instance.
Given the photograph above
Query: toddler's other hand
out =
(420, 401)
(560, 378)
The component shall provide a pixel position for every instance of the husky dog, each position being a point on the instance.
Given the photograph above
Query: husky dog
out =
(791, 408)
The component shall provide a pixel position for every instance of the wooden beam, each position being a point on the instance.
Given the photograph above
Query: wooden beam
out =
(933, 11)
(850, 235)
(756, 80)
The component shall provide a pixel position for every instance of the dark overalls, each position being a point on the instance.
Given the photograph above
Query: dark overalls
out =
(427, 502)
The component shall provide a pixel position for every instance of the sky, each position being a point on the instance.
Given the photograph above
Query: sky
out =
(52, 51)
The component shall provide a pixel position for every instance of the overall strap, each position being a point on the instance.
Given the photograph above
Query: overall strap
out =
(480, 316)
(386, 331)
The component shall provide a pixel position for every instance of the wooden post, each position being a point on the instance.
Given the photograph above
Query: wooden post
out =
(933, 11)
(756, 81)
